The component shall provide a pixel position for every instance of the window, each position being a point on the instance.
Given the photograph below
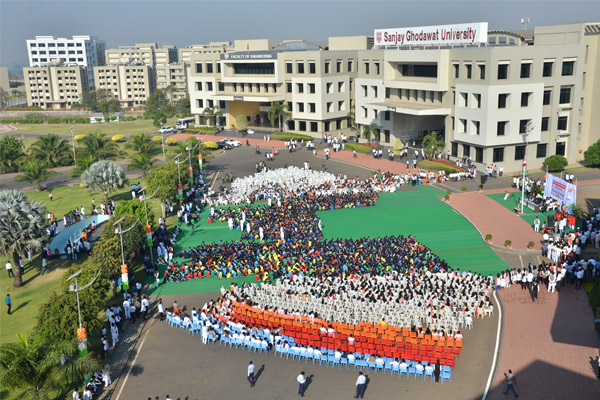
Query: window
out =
(300, 88)
(338, 124)
(547, 96)
(374, 91)
(519, 152)
(464, 99)
(253, 68)
(541, 150)
(525, 99)
(200, 103)
(481, 71)
(503, 71)
(288, 67)
(477, 97)
(300, 67)
(327, 66)
(314, 127)
(289, 87)
(419, 70)
(209, 68)
(387, 93)
(454, 149)
(561, 148)
(209, 86)
(469, 70)
(386, 115)
(311, 88)
(338, 66)
(199, 86)
(565, 95)
(456, 70)
(376, 68)
(466, 150)
(545, 121)
(364, 89)
(218, 68)
(291, 125)
(341, 106)
(479, 154)
(386, 134)
(525, 70)
(312, 68)
(365, 112)
(501, 130)
(350, 64)
(312, 107)
(568, 68)
(547, 68)
(302, 125)
(329, 106)
(523, 125)
(300, 107)
(340, 86)
(476, 127)
(562, 123)
(367, 67)
(463, 125)
(198, 68)
(222, 104)
(502, 97)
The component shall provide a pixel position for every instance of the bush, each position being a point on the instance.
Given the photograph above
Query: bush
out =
(436, 166)
(210, 146)
(118, 138)
(156, 139)
(360, 148)
(592, 154)
(447, 197)
(488, 237)
(464, 189)
(555, 163)
(78, 137)
(530, 244)
(289, 135)
(507, 242)
(171, 142)
(203, 129)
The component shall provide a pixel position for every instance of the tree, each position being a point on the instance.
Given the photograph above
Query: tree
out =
(592, 154)
(555, 163)
(278, 112)
(432, 144)
(163, 178)
(98, 144)
(35, 172)
(41, 367)
(159, 119)
(108, 106)
(22, 227)
(370, 130)
(241, 122)
(103, 175)
(398, 146)
(184, 106)
(143, 144)
(82, 163)
(107, 254)
(143, 162)
(51, 149)
(132, 241)
(157, 103)
(211, 114)
(11, 154)
(135, 208)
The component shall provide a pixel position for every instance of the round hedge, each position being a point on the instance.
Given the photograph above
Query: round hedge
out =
(78, 137)
(210, 145)
(118, 138)
(156, 139)
(171, 142)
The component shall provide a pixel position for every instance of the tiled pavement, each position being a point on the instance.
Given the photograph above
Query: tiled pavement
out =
(550, 345)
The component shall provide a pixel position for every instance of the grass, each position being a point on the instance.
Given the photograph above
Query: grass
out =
(436, 166)
(360, 148)
(126, 128)
(289, 135)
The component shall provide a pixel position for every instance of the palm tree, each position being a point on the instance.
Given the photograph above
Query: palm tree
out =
(98, 144)
(211, 114)
(432, 145)
(41, 368)
(143, 144)
(35, 172)
(278, 112)
(370, 130)
(142, 162)
(82, 163)
(22, 227)
(103, 175)
(51, 149)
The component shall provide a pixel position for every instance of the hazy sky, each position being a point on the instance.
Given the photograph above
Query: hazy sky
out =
(190, 22)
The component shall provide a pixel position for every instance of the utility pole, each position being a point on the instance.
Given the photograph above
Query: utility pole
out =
(81, 333)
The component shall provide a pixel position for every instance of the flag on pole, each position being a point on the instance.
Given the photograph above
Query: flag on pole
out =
(525, 165)
(247, 48)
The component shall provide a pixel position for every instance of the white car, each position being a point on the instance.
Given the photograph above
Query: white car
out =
(250, 131)
(232, 142)
(167, 129)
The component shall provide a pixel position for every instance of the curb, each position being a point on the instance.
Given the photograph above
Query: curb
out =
(487, 392)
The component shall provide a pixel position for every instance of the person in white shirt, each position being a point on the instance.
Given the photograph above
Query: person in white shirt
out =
(361, 382)
(251, 374)
(301, 379)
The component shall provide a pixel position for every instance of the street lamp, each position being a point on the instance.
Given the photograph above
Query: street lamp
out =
(73, 140)
(81, 335)
(162, 134)
(144, 198)
(528, 128)
(120, 231)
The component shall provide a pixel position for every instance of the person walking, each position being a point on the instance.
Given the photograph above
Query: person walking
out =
(251, 374)
(161, 309)
(50, 195)
(536, 224)
(9, 270)
(157, 277)
(8, 302)
(511, 381)
(301, 379)
(360, 386)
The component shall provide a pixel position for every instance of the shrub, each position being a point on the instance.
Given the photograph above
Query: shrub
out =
(437, 166)
(449, 192)
(118, 138)
(488, 236)
(289, 135)
(592, 154)
(447, 197)
(171, 142)
(530, 244)
(78, 137)
(555, 163)
(210, 146)
(464, 189)
(128, 118)
(507, 242)
(156, 139)
(360, 148)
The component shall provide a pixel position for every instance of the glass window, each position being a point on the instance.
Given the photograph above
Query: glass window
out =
(523, 125)
(545, 121)
(288, 67)
(519, 152)
(338, 66)
(481, 71)
(300, 87)
(454, 149)
(567, 68)
(525, 99)
(547, 68)
(289, 87)
(469, 70)
(327, 66)
(565, 95)
(386, 115)
(314, 127)
(456, 70)
(525, 70)
(209, 68)
(502, 100)
(312, 68)
(387, 93)
(501, 130)
(253, 68)
(547, 95)
(367, 67)
(300, 107)
(350, 65)
(503, 71)
(477, 97)
(541, 150)
(479, 154)
(466, 150)
(377, 68)
(300, 67)
(312, 107)
(476, 127)
(302, 125)
(198, 68)
(311, 88)
(562, 123)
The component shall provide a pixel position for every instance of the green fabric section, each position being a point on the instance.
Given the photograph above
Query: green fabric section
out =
(423, 215)
(514, 200)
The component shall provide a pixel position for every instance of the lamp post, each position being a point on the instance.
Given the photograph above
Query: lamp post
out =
(73, 141)
(149, 236)
(162, 134)
(528, 128)
(81, 334)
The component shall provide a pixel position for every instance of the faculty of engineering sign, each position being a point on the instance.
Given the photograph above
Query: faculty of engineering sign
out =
(249, 56)
(440, 34)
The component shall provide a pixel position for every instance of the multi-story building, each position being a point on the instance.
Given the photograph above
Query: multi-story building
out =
(55, 86)
(315, 85)
(4, 81)
(142, 53)
(84, 50)
(173, 78)
(130, 84)
(212, 47)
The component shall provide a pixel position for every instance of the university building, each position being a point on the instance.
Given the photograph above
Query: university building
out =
(55, 86)
(131, 84)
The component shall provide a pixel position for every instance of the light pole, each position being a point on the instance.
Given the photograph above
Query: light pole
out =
(148, 223)
(162, 134)
(73, 140)
(528, 128)
(81, 335)
(120, 231)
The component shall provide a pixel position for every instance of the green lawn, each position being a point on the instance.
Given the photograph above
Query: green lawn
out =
(436, 166)
(126, 128)
(360, 148)
(514, 200)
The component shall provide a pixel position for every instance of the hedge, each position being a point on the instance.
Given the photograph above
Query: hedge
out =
(360, 148)
(171, 142)
(210, 145)
(118, 138)
(289, 135)
(156, 139)
(49, 120)
(78, 137)
(436, 166)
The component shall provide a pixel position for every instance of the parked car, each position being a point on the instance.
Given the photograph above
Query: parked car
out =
(167, 129)
(232, 142)
(223, 144)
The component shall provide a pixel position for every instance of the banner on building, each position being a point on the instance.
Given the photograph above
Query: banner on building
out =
(560, 190)
(438, 34)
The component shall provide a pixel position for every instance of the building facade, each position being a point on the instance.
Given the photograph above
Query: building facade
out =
(173, 78)
(83, 50)
(130, 84)
(142, 53)
(212, 47)
(55, 86)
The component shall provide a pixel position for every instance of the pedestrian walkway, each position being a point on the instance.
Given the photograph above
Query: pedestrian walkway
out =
(550, 345)
(492, 218)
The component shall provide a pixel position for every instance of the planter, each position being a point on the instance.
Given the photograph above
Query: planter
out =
(529, 247)
(488, 238)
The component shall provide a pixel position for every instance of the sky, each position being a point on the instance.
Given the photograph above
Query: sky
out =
(183, 23)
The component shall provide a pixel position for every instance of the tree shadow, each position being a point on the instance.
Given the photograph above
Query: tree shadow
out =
(571, 317)
(137, 370)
